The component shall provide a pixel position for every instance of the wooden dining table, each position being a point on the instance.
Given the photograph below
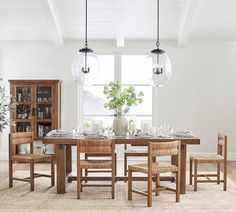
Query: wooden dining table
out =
(62, 148)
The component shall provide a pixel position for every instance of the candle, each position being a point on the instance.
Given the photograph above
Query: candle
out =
(96, 125)
(146, 125)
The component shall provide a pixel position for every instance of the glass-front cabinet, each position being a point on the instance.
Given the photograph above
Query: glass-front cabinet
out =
(38, 106)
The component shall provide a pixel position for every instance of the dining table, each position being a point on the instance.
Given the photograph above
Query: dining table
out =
(63, 157)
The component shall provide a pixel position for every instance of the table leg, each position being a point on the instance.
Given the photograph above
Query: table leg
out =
(68, 163)
(61, 167)
(182, 168)
(68, 160)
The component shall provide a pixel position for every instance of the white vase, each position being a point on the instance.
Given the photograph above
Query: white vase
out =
(120, 125)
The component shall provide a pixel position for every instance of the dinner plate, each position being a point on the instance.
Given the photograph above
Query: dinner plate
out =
(61, 134)
(181, 135)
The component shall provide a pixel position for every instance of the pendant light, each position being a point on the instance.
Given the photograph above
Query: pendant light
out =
(161, 65)
(85, 63)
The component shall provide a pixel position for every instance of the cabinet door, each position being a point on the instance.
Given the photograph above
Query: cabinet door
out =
(44, 109)
(23, 115)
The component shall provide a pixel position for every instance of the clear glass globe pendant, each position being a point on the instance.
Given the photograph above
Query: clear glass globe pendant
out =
(85, 67)
(85, 63)
(161, 67)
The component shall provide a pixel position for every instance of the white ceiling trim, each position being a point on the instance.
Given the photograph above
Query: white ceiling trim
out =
(51, 12)
(188, 21)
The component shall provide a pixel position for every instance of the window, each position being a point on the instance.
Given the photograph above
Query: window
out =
(134, 71)
(93, 97)
(129, 70)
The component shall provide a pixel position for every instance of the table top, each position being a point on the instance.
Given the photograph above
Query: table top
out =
(72, 140)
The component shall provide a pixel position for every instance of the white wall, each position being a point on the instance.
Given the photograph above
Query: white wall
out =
(200, 95)
(41, 61)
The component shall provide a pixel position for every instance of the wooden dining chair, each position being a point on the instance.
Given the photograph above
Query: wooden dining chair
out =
(218, 159)
(91, 156)
(157, 149)
(88, 156)
(133, 151)
(19, 138)
(91, 146)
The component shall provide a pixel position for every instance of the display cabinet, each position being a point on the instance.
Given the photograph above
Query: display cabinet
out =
(38, 106)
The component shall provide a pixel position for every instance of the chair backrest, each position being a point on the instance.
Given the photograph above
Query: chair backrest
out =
(18, 139)
(157, 149)
(104, 146)
(222, 145)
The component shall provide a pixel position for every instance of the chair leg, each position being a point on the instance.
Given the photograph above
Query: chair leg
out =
(31, 175)
(78, 182)
(218, 173)
(86, 170)
(195, 174)
(10, 173)
(149, 194)
(125, 166)
(225, 176)
(52, 172)
(81, 180)
(115, 166)
(191, 172)
(157, 184)
(130, 184)
(177, 186)
(113, 184)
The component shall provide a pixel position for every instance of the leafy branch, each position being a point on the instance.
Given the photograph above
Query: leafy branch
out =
(121, 100)
(6, 104)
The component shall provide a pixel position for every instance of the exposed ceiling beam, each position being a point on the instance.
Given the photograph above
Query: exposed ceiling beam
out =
(188, 21)
(120, 36)
(51, 13)
(119, 22)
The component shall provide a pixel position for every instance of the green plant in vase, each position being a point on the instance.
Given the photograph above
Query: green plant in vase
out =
(6, 104)
(121, 101)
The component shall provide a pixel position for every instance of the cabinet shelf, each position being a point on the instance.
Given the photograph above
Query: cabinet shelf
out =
(44, 103)
(23, 120)
(23, 103)
(44, 120)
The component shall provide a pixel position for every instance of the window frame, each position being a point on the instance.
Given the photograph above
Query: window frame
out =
(118, 76)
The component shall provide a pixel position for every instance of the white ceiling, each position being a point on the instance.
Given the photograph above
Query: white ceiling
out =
(59, 20)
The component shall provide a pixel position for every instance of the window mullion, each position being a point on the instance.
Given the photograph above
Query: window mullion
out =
(80, 109)
(155, 107)
(117, 74)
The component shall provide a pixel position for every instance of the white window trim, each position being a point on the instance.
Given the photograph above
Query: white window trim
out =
(118, 76)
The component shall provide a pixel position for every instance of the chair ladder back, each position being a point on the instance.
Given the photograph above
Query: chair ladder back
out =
(163, 148)
(158, 149)
(95, 146)
(19, 138)
(222, 145)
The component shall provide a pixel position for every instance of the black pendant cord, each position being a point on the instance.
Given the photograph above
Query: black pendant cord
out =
(158, 24)
(86, 24)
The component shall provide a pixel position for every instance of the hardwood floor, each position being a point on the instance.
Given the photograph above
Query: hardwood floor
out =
(44, 166)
